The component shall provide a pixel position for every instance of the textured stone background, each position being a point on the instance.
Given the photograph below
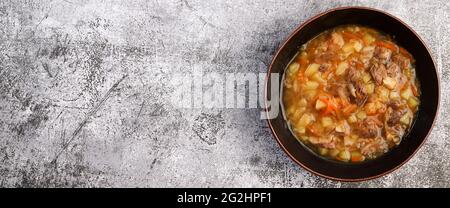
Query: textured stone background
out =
(84, 93)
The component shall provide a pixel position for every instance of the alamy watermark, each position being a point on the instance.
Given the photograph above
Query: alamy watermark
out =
(227, 90)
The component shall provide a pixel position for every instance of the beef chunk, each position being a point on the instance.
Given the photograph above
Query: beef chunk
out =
(353, 74)
(339, 90)
(395, 104)
(343, 93)
(401, 61)
(356, 86)
(378, 72)
(393, 70)
(368, 128)
(393, 113)
(392, 117)
(382, 54)
(392, 128)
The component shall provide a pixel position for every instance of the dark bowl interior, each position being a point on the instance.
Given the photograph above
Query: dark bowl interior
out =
(426, 73)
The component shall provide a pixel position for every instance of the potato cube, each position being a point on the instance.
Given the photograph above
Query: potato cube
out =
(312, 69)
(341, 68)
(293, 68)
(311, 85)
(320, 104)
(327, 122)
(407, 93)
(413, 102)
(390, 83)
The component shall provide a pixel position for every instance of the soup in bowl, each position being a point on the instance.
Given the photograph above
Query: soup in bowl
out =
(351, 93)
(360, 94)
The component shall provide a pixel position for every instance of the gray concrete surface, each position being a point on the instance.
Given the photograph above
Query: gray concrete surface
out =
(84, 99)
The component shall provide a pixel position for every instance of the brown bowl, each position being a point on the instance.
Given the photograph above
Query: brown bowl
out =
(426, 73)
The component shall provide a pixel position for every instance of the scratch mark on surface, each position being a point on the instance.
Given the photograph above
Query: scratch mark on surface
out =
(40, 22)
(59, 114)
(140, 111)
(87, 117)
(69, 107)
(153, 163)
(68, 1)
(46, 68)
(186, 3)
(205, 22)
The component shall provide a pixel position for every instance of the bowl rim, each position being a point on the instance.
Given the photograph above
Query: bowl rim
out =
(298, 29)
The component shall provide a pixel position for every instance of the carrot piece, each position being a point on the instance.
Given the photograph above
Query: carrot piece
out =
(328, 110)
(331, 106)
(350, 35)
(334, 103)
(359, 65)
(360, 34)
(344, 103)
(300, 77)
(357, 158)
(325, 100)
(389, 45)
(371, 111)
(349, 109)
(303, 61)
(405, 85)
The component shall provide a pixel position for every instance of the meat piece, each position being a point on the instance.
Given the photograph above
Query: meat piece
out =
(352, 89)
(395, 104)
(339, 90)
(392, 128)
(343, 93)
(354, 74)
(369, 128)
(393, 70)
(378, 72)
(394, 112)
(356, 86)
(382, 54)
(393, 116)
(361, 93)
(401, 61)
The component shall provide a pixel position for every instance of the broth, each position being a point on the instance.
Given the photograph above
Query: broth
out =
(351, 93)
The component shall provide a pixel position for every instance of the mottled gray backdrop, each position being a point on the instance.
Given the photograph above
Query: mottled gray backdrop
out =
(84, 99)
